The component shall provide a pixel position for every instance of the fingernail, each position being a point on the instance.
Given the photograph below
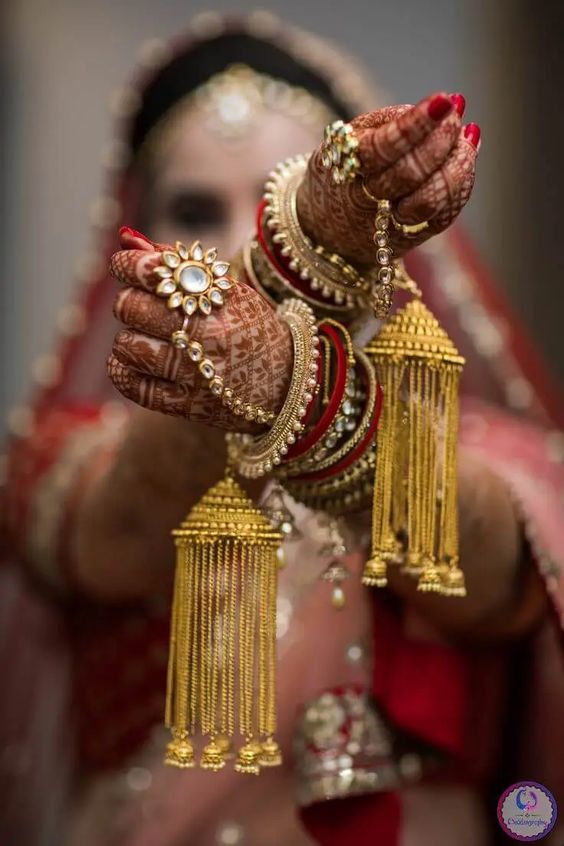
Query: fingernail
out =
(127, 230)
(472, 133)
(439, 107)
(459, 103)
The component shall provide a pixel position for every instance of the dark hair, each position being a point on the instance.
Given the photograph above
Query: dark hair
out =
(201, 60)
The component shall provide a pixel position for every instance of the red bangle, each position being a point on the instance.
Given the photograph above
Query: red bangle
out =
(349, 459)
(278, 263)
(326, 419)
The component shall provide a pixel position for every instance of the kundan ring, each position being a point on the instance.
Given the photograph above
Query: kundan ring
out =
(339, 152)
(193, 279)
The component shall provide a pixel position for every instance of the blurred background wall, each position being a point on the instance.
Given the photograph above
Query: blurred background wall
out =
(61, 60)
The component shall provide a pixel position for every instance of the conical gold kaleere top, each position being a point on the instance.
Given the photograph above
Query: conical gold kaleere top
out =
(414, 332)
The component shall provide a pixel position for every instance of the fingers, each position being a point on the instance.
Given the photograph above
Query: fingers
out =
(132, 239)
(381, 147)
(142, 311)
(153, 357)
(441, 198)
(150, 316)
(156, 394)
(418, 164)
(372, 120)
(136, 268)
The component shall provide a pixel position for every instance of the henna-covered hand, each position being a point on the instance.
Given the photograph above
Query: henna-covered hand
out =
(419, 157)
(249, 346)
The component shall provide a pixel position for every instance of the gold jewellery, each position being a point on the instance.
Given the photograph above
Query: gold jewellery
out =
(415, 518)
(193, 281)
(221, 671)
(328, 273)
(221, 674)
(383, 291)
(221, 687)
(275, 287)
(255, 456)
(222, 658)
(391, 273)
(323, 462)
(339, 152)
(231, 105)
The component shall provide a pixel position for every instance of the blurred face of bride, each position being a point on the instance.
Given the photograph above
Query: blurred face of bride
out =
(205, 186)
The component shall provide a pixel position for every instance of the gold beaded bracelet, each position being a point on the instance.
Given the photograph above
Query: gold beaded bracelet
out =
(216, 384)
(255, 456)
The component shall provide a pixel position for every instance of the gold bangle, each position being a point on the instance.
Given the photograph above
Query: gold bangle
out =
(290, 470)
(259, 282)
(326, 371)
(350, 491)
(325, 272)
(348, 340)
(346, 421)
(265, 278)
(363, 469)
(253, 457)
(346, 417)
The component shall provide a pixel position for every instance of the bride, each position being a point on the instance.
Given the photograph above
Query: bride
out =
(434, 687)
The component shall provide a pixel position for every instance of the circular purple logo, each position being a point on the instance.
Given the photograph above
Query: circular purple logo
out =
(527, 811)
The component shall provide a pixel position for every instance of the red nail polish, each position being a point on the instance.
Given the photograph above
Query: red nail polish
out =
(459, 103)
(439, 107)
(472, 133)
(129, 231)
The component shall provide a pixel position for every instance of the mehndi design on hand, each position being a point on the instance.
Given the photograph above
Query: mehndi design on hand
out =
(419, 158)
(250, 346)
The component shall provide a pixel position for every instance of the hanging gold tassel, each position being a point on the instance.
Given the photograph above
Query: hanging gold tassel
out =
(415, 521)
(221, 671)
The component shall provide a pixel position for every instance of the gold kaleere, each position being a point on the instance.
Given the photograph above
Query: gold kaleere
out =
(415, 520)
(221, 672)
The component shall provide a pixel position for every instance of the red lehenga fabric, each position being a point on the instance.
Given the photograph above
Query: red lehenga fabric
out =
(86, 682)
